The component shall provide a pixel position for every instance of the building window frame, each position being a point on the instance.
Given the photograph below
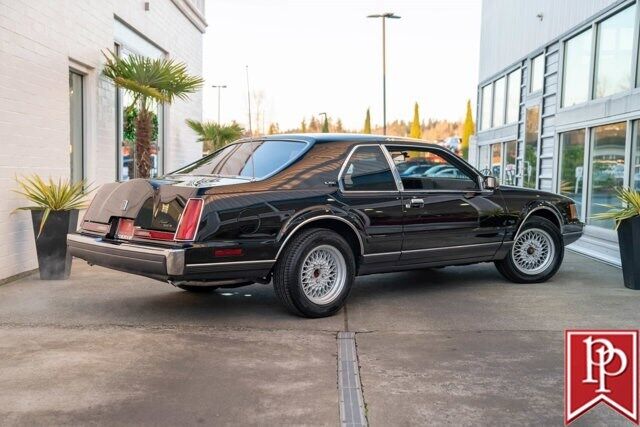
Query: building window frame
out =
(83, 128)
(532, 58)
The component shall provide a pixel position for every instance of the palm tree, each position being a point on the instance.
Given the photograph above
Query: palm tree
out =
(149, 80)
(213, 135)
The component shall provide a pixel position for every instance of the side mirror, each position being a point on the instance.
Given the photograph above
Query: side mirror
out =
(490, 183)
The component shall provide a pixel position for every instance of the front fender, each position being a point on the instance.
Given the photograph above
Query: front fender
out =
(536, 206)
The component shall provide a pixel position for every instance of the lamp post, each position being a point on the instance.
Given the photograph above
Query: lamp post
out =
(384, 16)
(219, 87)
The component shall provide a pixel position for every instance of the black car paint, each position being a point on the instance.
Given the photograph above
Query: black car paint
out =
(259, 216)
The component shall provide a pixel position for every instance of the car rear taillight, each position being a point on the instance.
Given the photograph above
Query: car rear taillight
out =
(189, 221)
(125, 229)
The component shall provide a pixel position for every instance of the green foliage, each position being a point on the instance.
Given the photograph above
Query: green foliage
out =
(161, 79)
(630, 200)
(129, 125)
(367, 123)
(416, 130)
(303, 126)
(215, 136)
(468, 129)
(149, 81)
(51, 196)
(325, 125)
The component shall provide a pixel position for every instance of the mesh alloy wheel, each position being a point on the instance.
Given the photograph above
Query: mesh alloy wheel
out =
(533, 251)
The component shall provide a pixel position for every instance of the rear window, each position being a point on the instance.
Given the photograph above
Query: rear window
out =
(258, 159)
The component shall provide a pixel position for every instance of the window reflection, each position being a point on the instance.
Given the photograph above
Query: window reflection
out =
(510, 158)
(577, 61)
(614, 53)
(76, 138)
(484, 160)
(635, 168)
(487, 94)
(513, 96)
(572, 165)
(498, 102)
(537, 73)
(607, 169)
(496, 160)
(530, 174)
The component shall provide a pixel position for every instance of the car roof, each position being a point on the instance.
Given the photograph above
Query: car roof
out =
(317, 138)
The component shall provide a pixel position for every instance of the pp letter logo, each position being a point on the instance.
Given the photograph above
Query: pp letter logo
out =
(601, 366)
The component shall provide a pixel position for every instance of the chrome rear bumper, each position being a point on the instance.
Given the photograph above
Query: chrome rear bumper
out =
(149, 261)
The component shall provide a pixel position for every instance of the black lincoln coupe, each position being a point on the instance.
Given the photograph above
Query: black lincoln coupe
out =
(310, 212)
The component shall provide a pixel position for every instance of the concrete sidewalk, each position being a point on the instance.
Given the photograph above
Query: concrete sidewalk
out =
(447, 346)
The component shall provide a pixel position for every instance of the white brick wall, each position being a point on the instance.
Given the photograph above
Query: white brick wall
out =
(39, 41)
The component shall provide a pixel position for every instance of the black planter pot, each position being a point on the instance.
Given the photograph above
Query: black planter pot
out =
(629, 240)
(54, 261)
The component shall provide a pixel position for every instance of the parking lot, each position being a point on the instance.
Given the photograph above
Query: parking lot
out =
(458, 345)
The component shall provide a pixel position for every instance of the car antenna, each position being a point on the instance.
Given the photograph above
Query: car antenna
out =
(253, 166)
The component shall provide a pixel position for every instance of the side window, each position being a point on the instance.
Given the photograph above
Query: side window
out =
(423, 169)
(367, 170)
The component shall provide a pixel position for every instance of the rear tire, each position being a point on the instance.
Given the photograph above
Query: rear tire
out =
(536, 254)
(314, 274)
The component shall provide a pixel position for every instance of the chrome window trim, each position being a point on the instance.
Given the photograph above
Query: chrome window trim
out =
(316, 218)
(437, 150)
(346, 162)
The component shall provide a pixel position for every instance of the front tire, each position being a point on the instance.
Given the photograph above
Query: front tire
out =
(315, 273)
(536, 254)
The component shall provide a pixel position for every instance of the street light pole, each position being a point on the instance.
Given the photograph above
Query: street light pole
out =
(219, 87)
(384, 17)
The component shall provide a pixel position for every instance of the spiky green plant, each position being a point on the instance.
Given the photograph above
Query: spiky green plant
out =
(213, 135)
(630, 200)
(149, 80)
(49, 196)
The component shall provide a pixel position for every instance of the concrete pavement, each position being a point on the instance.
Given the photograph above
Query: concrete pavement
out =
(458, 345)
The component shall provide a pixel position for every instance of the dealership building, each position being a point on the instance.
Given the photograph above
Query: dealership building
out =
(559, 103)
(60, 118)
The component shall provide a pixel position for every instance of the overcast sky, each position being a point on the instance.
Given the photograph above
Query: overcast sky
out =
(312, 56)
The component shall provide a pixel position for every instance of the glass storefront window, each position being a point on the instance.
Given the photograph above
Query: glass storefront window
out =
(510, 158)
(577, 62)
(127, 152)
(537, 73)
(487, 95)
(572, 166)
(513, 96)
(614, 53)
(532, 131)
(76, 139)
(607, 169)
(496, 160)
(484, 161)
(498, 102)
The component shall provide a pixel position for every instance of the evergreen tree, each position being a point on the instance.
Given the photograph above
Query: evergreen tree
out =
(303, 126)
(416, 130)
(339, 126)
(467, 131)
(325, 125)
(274, 129)
(367, 123)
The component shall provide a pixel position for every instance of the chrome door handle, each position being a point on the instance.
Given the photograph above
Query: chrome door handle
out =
(415, 203)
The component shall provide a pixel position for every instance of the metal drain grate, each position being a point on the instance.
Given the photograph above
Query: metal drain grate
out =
(351, 400)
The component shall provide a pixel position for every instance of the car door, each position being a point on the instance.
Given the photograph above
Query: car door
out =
(446, 214)
(369, 190)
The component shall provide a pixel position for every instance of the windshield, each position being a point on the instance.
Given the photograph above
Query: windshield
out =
(251, 160)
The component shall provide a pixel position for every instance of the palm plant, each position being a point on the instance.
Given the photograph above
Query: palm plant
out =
(630, 200)
(213, 135)
(50, 196)
(149, 80)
